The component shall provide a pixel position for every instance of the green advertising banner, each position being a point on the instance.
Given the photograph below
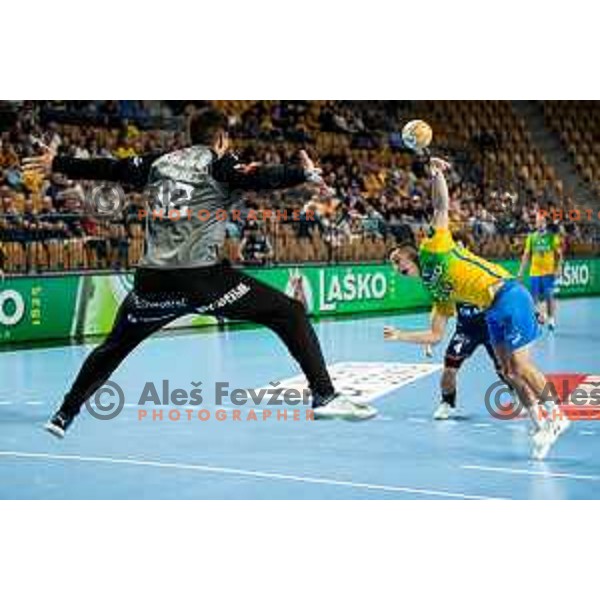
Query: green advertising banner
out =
(37, 308)
(71, 306)
(345, 289)
(579, 277)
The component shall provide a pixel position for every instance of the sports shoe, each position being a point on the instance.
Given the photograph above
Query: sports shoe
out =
(560, 424)
(545, 437)
(444, 411)
(58, 424)
(338, 406)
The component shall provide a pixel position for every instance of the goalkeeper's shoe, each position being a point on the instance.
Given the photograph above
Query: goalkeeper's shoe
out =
(338, 406)
(58, 424)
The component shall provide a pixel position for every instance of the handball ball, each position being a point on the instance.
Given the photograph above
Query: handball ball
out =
(417, 135)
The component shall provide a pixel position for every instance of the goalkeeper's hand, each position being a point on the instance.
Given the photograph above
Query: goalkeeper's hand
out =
(313, 174)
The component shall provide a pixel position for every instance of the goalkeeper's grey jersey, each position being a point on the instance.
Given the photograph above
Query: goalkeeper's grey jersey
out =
(185, 225)
(189, 194)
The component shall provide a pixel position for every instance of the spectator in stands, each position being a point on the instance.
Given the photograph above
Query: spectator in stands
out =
(118, 244)
(255, 248)
(374, 225)
(361, 155)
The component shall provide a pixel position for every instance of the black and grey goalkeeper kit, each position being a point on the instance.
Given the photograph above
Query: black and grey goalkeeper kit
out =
(181, 271)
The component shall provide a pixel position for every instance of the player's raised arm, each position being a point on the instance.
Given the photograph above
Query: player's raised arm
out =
(439, 193)
(525, 258)
(431, 336)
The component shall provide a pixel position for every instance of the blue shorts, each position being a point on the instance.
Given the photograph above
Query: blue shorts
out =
(511, 318)
(542, 287)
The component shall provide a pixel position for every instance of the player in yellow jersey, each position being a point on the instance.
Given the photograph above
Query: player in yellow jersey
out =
(543, 249)
(452, 275)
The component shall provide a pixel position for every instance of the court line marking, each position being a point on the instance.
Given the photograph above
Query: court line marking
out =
(247, 473)
(547, 474)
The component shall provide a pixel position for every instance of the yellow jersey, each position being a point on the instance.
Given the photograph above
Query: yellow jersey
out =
(453, 274)
(542, 248)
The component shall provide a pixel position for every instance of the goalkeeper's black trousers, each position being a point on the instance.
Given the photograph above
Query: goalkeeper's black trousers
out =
(160, 296)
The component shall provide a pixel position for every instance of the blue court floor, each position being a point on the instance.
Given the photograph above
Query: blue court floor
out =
(402, 454)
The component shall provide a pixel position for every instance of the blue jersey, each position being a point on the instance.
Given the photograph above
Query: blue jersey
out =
(471, 332)
(470, 318)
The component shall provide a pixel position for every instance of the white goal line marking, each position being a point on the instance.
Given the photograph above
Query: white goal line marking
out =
(531, 472)
(245, 473)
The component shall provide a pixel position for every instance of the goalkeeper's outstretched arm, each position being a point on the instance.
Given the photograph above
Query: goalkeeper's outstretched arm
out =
(133, 171)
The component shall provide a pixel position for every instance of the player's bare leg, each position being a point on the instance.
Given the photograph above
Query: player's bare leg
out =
(555, 423)
(448, 404)
(541, 312)
(525, 394)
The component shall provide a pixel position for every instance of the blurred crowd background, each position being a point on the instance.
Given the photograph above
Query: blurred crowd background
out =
(511, 160)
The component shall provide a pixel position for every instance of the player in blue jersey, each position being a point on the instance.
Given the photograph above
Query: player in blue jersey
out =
(471, 332)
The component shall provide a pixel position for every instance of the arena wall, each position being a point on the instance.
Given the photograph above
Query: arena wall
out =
(73, 307)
